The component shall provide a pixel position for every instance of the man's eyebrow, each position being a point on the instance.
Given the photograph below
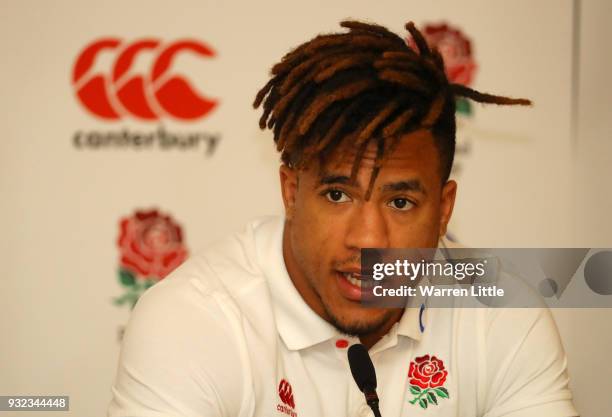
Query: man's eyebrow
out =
(406, 185)
(334, 179)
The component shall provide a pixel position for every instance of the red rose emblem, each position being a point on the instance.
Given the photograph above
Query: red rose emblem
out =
(151, 244)
(456, 51)
(426, 377)
(427, 372)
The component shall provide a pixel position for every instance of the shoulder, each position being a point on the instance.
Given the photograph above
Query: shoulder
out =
(522, 366)
(209, 287)
(226, 267)
(184, 348)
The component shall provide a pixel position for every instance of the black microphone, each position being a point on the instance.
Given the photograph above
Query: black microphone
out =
(364, 375)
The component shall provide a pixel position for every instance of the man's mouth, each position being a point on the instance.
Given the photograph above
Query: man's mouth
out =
(358, 280)
(354, 286)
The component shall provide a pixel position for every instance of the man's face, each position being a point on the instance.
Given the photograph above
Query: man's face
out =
(329, 221)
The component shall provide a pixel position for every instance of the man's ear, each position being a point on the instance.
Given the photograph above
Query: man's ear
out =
(289, 183)
(447, 202)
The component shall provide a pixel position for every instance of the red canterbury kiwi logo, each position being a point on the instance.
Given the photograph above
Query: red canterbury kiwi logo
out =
(286, 393)
(148, 96)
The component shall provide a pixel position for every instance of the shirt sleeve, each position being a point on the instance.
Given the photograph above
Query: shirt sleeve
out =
(178, 357)
(526, 367)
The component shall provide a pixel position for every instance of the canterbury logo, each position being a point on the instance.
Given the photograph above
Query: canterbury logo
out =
(145, 96)
(286, 393)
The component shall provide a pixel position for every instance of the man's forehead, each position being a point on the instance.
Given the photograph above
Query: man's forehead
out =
(410, 150)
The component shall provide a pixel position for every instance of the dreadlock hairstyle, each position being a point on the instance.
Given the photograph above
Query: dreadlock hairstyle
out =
(358, 87)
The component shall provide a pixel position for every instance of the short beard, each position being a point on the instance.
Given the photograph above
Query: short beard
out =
(357, 329)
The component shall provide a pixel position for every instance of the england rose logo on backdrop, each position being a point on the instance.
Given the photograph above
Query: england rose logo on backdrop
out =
(460, 67)
(456, 50)
(151, 245)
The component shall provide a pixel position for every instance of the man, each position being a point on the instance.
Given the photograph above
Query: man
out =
(259, 324)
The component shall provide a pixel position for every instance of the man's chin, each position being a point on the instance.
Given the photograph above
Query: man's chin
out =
(363, 322)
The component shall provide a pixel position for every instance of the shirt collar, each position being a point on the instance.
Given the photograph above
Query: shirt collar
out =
(409, 324)
(298, 325)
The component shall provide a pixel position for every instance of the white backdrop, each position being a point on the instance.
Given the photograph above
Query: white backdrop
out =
(61, 205)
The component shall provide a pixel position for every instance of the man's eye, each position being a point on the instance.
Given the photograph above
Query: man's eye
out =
(401, 204)
(337, 196)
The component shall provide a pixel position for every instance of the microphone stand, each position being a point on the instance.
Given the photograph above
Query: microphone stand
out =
(372, 401)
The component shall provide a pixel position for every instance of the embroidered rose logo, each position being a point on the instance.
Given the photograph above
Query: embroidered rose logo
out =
(426, 378)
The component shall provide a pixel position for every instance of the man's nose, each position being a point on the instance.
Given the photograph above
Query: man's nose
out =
(367, 228)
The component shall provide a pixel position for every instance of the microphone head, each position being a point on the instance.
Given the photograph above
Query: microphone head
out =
(362, 367)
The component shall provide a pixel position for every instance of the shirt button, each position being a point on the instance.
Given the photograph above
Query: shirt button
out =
(342, 343)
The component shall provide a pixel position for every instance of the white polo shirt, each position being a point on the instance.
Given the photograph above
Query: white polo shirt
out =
(227, 334)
